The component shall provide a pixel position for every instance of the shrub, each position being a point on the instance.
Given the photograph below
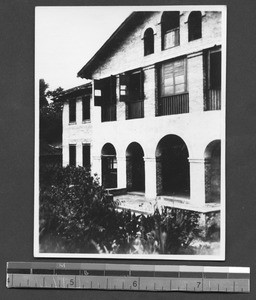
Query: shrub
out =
(77, 215)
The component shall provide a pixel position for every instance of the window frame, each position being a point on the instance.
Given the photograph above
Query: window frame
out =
(72, 160)
(161, 81)
(165, 30)
(192, 25)
(86, 108)
(72, 110)
(149, 41)
(86, 162)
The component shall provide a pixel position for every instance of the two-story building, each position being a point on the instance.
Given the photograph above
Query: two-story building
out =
(151, 121)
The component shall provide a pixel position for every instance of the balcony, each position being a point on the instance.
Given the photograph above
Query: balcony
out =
(172, 105)
(213, 100)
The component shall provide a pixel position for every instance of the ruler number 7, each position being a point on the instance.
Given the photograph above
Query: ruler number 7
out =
(198, 283)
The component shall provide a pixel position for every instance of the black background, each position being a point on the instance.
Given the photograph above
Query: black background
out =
(17, 146)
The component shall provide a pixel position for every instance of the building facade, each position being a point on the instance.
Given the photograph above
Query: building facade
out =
(151, 119)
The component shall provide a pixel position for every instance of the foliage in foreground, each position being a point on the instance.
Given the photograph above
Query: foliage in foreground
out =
(77, 216)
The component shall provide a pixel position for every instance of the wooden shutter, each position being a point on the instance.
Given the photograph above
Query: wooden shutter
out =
(97, 92)
(123, 87)
(112, 89)
(141, 85)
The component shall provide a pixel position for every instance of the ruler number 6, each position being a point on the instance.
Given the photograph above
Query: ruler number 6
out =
(135, 283)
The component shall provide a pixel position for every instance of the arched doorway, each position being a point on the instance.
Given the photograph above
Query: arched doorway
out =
(212, 172)
(135, 169)
(109, 166)
(172, 167)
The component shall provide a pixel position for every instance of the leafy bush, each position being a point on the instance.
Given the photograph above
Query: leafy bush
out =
(77, 215)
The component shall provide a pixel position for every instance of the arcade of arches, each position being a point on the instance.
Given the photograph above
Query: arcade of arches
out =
(173, 172)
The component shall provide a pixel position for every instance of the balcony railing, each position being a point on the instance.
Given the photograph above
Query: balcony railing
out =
(108, 113)
(172, 105)
(213, 100)
(135, 109)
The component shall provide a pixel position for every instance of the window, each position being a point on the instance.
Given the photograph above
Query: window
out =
(72, 155)
(213, 79)
(170, 27)
(194, 26)
(86, 155)
(148, 41)
(105, 96)
(173, 78)
(86, 108)
(72, 110)
(215, 70)
(132, 93)
(173, 95)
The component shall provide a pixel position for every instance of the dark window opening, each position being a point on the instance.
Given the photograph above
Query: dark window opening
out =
(170, 26)
(135, 168)
(72, 110)
(194, 26)
(148, 41)
(86, 155)
(105, 96)
(213, 80)
(215, 70)
(132, 92)
(72, 155)
(173, 97)
(86, 108)
(109, 166)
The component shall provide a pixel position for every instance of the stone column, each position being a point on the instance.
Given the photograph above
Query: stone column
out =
(65, 155)
(79, 155)
(197, 181)
(195, 79)
(150, 178)
(121, 172)
(96, 167)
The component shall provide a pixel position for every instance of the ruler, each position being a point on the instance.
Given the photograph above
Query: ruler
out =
(127, 277)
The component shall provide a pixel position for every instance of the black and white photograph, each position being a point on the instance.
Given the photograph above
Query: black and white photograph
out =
(130, 132)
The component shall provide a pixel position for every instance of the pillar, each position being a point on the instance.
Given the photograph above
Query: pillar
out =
(96, 167)
(79, 155)
(197, 181)
(121, 172)
(150, 178)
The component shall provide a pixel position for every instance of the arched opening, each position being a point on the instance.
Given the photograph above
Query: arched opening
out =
(109, 166)
(172, 167)
(148, 41)
(212, 172)
(170, 27)
(135, 169)
(194, 26)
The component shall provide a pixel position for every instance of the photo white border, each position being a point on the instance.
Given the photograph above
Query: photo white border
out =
(221, 256)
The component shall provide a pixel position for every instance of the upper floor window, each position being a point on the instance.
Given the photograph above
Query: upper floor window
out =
(132, 92)
(86, 108)
(194, 26)
(170, 26)
(174, 98)
(213, 82)
(148, 41)
(72, 110)
(173, 78)
(105, 96)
